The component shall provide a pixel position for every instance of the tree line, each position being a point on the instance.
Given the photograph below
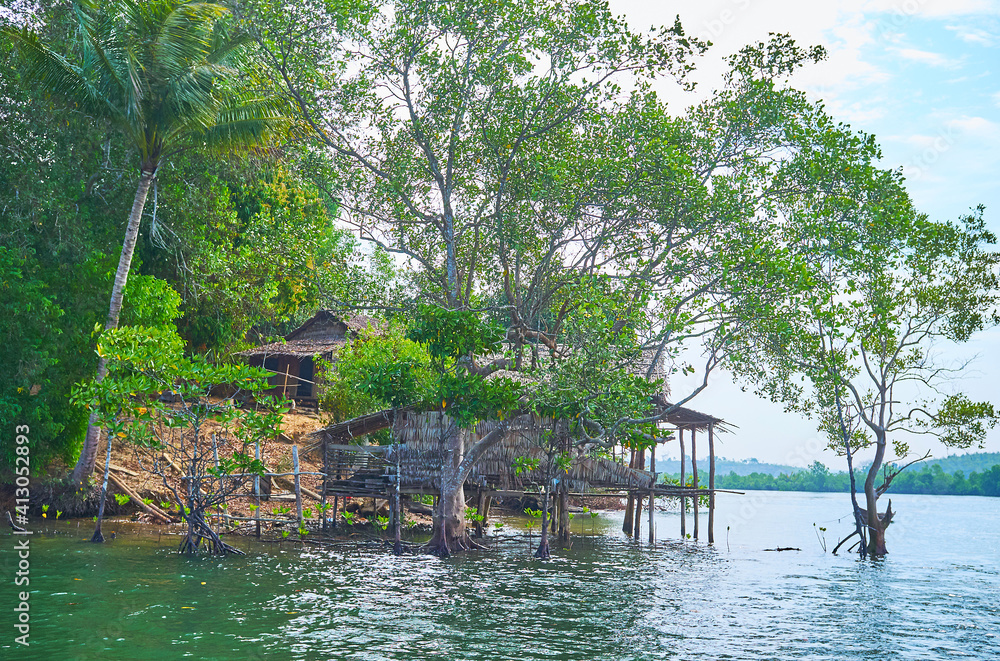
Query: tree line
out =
(930, 480)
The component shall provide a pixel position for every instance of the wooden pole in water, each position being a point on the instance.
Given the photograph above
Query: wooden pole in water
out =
(298, 487)
(637, 524)
(256, 486)
(652, 486)
(680, 437)
(322, 495)
(711, 484)
(694, 477)
(630, 503)
(397, 547)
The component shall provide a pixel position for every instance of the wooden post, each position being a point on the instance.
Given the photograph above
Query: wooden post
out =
(256, 486)
(680, 437)
(397, 547)
(564, 533)
(652, 486)
(298, 487)
(480, 511)
(694, 477)
(711, 484)
(637, 524)
(630, 503)
(322, 495)
(336, 499)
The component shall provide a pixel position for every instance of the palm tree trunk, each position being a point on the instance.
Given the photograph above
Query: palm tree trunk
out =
(88, 455)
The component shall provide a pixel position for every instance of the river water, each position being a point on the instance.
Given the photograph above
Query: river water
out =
(936, 596)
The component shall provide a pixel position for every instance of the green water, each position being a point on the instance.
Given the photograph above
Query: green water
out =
(607, 598)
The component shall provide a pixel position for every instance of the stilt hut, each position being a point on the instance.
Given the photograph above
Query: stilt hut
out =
(294, 359)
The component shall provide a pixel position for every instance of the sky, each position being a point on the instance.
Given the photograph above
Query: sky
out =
(924, 78)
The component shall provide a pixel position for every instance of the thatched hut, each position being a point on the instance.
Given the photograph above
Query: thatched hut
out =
(294, 359)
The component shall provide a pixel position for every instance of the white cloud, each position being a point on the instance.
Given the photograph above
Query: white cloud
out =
(972, 35)
(927, 57)
(978, 127)
(931, 8)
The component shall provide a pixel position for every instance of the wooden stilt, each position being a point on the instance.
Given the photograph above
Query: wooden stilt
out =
(322, 494)
(694, 478)
(256, 487)
(637, 524)
(680, 438)
(480, 511)
(652, 468)
(629, 504)
(298, 484)
(564, 514)
(486, 510)
(711, 484)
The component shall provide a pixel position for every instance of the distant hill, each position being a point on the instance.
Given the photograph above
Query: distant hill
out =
(974, 474)
(974, 461)
(724, 466)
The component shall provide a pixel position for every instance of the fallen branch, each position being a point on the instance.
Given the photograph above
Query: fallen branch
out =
(147, 507)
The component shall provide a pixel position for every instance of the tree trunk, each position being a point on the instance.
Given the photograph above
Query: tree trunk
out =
(98, 535)
(630, 504)
(543, 544)
(876, 527)
(450, 533)
(88, 455)
(564, 514)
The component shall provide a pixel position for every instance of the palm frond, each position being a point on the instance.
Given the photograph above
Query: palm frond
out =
(254, 122)
(185, 37)
(116, 78)
(54, 75)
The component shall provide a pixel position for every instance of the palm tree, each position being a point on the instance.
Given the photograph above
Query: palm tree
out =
(167, 73)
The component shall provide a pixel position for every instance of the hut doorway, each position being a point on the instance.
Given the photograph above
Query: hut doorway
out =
(306, 372)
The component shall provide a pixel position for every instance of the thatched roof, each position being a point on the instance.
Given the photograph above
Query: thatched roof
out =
(323, 334)
(685, 418)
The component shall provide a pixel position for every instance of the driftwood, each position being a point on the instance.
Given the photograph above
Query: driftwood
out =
(288, 485)
(14, 526)
(148, 507)
(784, 548)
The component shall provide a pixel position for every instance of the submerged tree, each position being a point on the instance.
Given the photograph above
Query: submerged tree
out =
(169, 75)
(886, 287)
(214, 444)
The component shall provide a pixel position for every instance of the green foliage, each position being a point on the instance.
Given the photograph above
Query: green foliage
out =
(29, 370)
(524, 464)
(452, 334)
(374, 372)
(150, 302)
(142, 362)
(122, 499)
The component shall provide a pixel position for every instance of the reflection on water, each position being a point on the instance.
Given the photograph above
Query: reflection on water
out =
(936, 595)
